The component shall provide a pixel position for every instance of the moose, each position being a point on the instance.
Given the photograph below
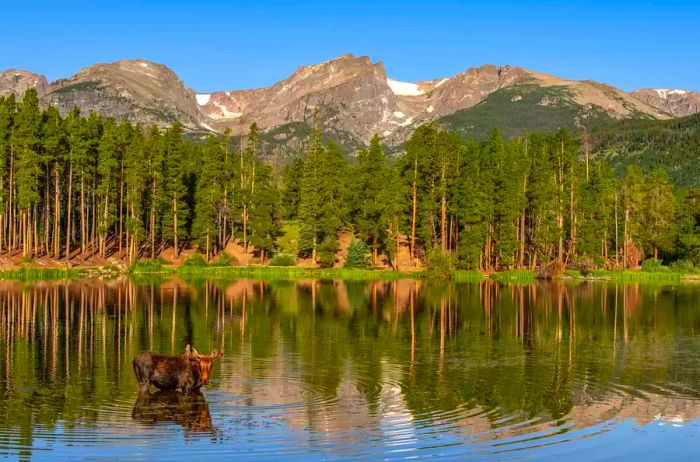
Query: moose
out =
(187, 372)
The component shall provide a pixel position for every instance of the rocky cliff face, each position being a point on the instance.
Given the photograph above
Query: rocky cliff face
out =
(138, 91)
(678, 103)
(351, 93)
(354, 96)
(17, 81)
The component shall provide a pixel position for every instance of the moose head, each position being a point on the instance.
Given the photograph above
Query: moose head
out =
(204, 362)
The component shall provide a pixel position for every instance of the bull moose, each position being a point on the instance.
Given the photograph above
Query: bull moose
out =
(187, 372)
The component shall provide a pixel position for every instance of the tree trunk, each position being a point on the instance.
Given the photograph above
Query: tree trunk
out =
(69, 210)
(56, 217)
(175, 241)
(374, 250)
(415, 210)
(443, 222)
(121, 210)
(83, 230)
(245, 228)
(152, 224)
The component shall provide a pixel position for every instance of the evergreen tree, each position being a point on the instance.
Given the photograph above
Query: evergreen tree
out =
(204, 227)
(176, 210)
(265, 213)
(370, 176)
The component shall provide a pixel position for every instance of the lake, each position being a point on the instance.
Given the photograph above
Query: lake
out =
(346, 369)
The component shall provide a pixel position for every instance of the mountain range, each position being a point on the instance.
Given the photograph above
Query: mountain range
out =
(355, 98)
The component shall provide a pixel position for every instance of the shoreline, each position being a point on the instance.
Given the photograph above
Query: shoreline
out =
(146, 269)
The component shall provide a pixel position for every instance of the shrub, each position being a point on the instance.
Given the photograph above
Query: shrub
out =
(683, 267)
(225, 260)
(439, 264)
(358, 255)
(283, 259)
(652, 265)
(195, 260)
(326, 252)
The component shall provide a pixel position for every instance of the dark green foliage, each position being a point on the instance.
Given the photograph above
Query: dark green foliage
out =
(196, 260)
(224, 259)
(671, 144)
(283, 259)
(652, 265)
(521, 109)
(439, 265)
(358, 255)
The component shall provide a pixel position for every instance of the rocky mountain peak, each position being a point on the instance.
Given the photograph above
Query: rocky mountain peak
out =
(136, 90)
(674, 101)
(17, 81)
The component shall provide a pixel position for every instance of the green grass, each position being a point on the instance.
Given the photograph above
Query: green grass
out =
(467, 276)
(149, 267)
(291, 273)
(638, 276)
(40, 274)
(521, 276)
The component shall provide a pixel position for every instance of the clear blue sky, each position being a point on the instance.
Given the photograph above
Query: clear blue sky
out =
(221, 45)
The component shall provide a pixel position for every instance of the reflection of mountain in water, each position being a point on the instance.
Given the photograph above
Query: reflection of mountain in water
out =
(354, 362)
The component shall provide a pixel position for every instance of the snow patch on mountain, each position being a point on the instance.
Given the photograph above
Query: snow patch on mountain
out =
(203, 98)
(226, 114)
(404, 88)
(666, 92)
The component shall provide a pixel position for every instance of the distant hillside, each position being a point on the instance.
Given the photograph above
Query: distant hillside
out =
(673, 144)
(525, 108)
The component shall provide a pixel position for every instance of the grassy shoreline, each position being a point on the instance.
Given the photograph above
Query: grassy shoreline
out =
(146, 268)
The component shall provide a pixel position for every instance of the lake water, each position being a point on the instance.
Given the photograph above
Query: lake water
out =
(362, 370)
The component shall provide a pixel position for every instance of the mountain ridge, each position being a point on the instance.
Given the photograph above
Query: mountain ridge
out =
(355, 97)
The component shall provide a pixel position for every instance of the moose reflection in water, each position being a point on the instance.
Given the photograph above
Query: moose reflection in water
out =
(187, 372)
(187, 410)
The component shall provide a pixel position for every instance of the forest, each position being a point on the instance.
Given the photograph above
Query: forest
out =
(77, 186)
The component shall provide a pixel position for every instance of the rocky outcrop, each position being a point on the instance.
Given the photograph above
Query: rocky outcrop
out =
(18, 81)
(135, 90)
(678, 103)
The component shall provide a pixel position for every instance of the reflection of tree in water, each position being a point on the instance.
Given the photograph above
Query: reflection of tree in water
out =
(533, 351)
(190, 411)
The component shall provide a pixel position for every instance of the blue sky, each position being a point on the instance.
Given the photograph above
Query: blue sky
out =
(221, 45)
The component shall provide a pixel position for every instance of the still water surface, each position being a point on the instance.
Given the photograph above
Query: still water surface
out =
(363, 370)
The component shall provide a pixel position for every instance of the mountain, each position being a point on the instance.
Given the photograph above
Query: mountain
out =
(679, 103)
(355, 98)
(136, 90)
(17, 81)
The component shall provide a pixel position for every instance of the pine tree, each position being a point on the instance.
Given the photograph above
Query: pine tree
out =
(370, 175)
(264, 213)
(204, 226)
(26, 146)
(659, 212)
(309, 196)
(136, 183)
(175, 212)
